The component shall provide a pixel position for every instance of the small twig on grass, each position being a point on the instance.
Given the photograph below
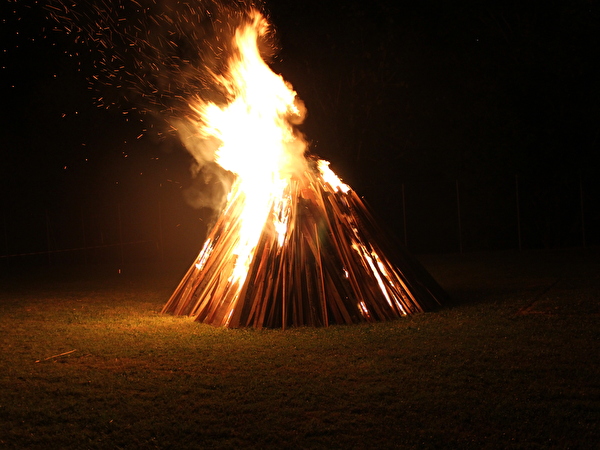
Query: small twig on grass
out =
(55, 356)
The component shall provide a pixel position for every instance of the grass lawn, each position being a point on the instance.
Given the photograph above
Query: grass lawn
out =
(511, 363)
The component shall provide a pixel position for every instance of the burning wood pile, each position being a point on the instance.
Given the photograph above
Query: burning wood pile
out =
(293, 246)
(325, 267)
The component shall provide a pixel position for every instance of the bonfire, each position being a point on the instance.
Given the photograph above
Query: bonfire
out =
(293, 245)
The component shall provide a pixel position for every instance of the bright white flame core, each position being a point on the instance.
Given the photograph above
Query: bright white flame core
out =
(257, 140)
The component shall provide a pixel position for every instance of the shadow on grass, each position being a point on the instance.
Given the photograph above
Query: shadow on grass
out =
(523, 277)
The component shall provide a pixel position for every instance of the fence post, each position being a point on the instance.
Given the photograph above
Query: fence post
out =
(85, 249)
(460, 243)
(583, 241)
(5, 233)
(120, 237)
(518, 210)
(404, 217)
(160, 234)
(48, 239)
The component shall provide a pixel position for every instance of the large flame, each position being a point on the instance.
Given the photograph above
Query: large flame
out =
(256, 137)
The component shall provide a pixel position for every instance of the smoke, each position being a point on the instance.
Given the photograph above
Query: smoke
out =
(210, 183)
(209, 189)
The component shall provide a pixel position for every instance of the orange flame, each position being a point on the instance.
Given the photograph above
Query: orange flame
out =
(257, 139)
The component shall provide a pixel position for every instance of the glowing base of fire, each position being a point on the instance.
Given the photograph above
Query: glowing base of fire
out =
(317, 263)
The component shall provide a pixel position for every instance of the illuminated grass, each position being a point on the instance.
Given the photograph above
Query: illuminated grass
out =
(499, 368)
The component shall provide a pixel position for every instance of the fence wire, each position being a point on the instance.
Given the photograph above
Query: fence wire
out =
(438, 216)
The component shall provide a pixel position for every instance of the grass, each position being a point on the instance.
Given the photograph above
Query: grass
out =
(512, 362)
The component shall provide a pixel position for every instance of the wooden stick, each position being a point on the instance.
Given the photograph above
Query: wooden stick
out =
(55, 356)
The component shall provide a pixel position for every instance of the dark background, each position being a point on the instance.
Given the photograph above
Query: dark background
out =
(465, 125)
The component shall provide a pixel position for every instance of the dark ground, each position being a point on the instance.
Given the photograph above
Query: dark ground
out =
(512, 362)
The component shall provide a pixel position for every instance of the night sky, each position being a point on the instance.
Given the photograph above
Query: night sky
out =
(397, 92)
